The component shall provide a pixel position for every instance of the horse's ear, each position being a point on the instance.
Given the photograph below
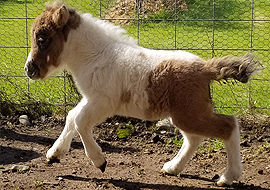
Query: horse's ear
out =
(60, 16)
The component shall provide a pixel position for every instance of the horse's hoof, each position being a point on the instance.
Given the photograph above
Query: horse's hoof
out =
(222, 184)
(53, 160)
(163, 171)
(103, 167)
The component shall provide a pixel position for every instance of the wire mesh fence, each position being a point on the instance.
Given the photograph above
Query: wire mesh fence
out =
(207, 28)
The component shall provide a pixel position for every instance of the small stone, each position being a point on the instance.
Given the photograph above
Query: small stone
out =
(24, 120)
(148, 152)
(164, 124)
(60, 179)
(121, 163)
(260, 172)
(163, 132)
(215, 177)
(261, 139)
(19, 168)
(244, 144)
(155, 138)
(43, 118)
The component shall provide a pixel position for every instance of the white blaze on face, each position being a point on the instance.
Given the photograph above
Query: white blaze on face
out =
(29, 58)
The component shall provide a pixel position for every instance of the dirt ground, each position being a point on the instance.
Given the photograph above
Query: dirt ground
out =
(134, 162)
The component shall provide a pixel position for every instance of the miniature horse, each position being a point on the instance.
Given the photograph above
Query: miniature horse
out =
(117, 77)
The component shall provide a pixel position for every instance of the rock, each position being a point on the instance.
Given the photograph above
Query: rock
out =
(261, 139)
(24, 120)
(43, 118)
(19, 168)
(121, 163)
(215, 177)
(260, 172)
(164, 124)
(245, 144)
(155, 138)
(163, 132)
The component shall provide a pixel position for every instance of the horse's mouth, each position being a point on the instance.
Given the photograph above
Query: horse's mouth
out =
(32, 71)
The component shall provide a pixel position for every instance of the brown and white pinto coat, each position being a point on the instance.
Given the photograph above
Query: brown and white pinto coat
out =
(117, 77)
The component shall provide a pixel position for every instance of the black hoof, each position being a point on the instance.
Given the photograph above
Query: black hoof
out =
(103, 166)
(53, 160)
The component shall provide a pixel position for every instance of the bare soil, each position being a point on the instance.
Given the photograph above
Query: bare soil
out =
(134, 162)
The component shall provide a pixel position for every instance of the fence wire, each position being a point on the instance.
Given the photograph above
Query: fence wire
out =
(207, 28)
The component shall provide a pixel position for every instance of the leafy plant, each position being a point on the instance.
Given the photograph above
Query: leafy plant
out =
(125, 130)
(177, 142)
(38, 183)
(122, 133)
(217, 144)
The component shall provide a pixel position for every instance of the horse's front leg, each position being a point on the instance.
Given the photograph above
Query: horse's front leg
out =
(91, 114)
(62, 144)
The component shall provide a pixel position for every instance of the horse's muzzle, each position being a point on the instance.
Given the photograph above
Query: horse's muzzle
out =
(32, 70)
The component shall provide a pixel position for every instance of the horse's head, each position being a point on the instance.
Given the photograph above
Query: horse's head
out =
(48, 34)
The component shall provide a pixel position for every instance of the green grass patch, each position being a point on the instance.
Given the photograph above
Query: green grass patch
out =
(124, 130)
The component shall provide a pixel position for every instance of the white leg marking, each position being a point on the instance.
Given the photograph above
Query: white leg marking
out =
(234, 167)
(62, 144)
(190, 145)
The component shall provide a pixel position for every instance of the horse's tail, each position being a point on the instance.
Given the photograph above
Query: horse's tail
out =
(239, 68)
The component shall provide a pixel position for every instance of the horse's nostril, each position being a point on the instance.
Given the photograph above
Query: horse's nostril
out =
(32, 70)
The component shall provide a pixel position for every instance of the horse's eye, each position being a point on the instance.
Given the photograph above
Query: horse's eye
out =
(41, 40)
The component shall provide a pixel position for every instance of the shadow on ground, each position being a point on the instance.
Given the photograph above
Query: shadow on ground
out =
(130, 185)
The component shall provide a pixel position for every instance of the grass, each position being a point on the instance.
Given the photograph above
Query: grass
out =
(124, 130)
(38, 183)
(230, 37)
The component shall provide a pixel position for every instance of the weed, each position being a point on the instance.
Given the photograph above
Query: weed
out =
(122, 133)
(125, 130)
(216, 144)
(38, 183)
(178, 142)
(266, 145)
(260, 150)
(154, 128)
(48, 130)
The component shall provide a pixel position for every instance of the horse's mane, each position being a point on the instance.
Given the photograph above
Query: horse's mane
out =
(113, 31)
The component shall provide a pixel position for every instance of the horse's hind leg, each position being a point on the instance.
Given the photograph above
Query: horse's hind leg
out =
(234, 168)
(189, 146)
(211, 125)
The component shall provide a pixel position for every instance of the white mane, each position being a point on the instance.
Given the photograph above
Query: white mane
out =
(112, 31)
